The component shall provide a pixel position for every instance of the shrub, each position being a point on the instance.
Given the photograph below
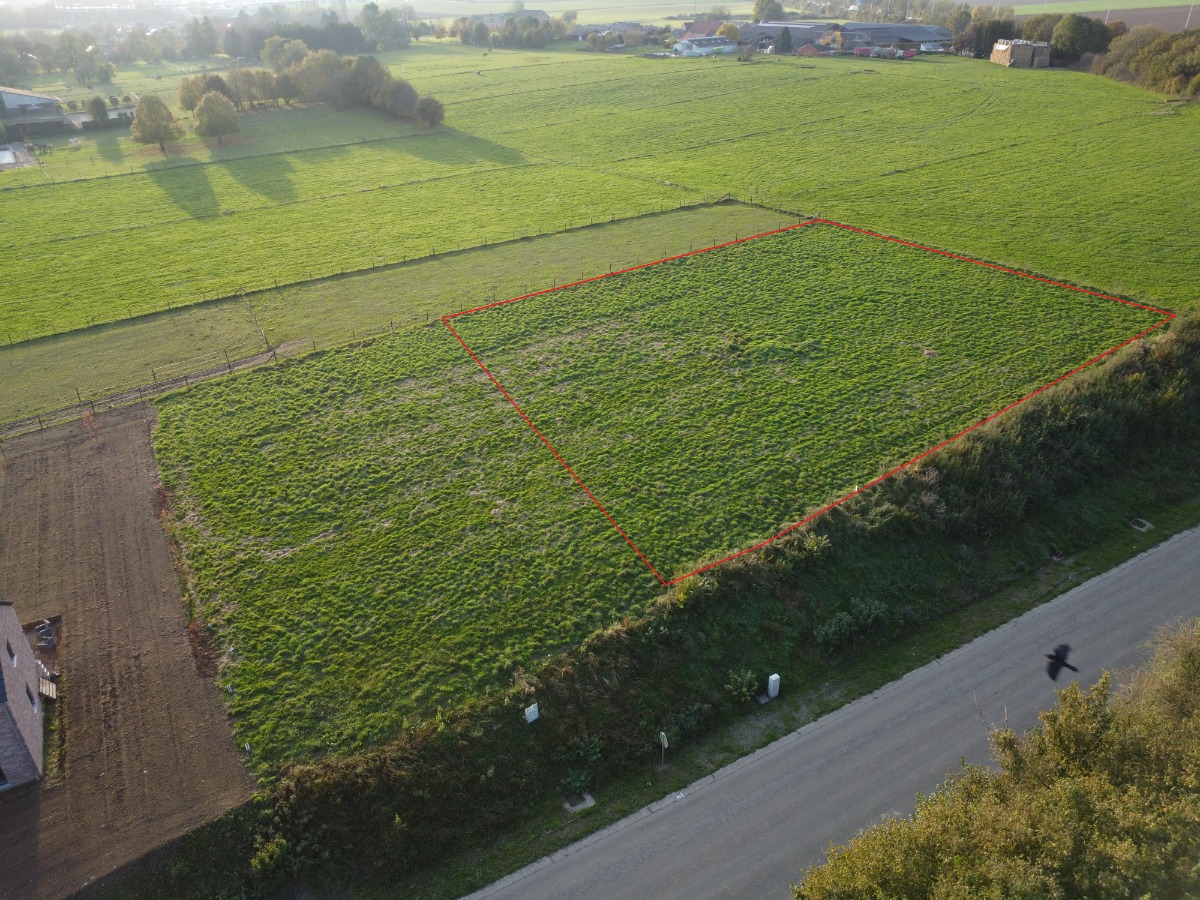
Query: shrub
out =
(430, 112)
(742, 685)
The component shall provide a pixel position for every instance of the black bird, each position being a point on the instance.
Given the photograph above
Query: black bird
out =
(1058, 661)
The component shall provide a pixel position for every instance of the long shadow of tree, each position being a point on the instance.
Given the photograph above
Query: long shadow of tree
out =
(449, 145)
(187, 185)
(269, 175)
(108, 146)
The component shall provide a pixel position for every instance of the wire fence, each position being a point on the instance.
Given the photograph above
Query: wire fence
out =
(164, 378)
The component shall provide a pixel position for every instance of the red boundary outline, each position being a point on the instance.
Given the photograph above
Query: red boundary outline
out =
(1167, 317)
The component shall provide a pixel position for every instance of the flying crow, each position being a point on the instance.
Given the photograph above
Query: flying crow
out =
(1058, 661)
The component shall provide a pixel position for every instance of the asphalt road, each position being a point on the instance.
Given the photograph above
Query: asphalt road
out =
(749, 829)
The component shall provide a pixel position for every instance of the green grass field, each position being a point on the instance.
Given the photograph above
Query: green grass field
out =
(1081, 7)
(376, 532)
(712, 401)
(1052, 171)
(45, 374)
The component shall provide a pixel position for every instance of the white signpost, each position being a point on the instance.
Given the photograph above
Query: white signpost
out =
(662, 740)
(531, 713)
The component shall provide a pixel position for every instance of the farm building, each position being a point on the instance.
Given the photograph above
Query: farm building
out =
(804, 34)
(875, 34)
(1021, 54)
(705, 46)
(16, 103)
(20, 707)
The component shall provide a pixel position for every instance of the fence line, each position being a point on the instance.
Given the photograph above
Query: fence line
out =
(167, 377)
(374, 264)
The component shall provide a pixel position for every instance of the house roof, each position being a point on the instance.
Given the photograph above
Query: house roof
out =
(21, 93)
(885, 32)
(802, 32)
(709, 41)
(705, 27)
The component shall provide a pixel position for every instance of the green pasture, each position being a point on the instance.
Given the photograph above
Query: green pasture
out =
(53, 372)
(1054, 171)
(376, 532)
(378, 541)
(1082, 7)
(712, 401)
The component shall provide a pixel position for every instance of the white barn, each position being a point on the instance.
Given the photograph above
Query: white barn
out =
(20, 705)
(705, 46)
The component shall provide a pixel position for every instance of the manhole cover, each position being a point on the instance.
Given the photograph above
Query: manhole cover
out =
(1141, 524)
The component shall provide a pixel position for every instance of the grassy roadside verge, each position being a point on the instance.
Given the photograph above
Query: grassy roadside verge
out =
(198, 864)
(551, 828)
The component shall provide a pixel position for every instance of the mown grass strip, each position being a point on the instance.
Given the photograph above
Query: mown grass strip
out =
(44, 375)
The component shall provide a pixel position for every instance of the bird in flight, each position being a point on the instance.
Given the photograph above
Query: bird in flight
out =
(1058, 661)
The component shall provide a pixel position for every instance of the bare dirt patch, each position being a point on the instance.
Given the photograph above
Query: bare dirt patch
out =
(149, 755)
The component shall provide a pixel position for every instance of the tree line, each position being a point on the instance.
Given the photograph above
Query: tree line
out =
(1070, 36)
(92, 54)
(322, 76)
(518, 30)
(1149, 57)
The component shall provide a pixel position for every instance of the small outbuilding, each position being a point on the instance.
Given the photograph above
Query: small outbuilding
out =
(20, 705)
(705, 46)
(1021, 54)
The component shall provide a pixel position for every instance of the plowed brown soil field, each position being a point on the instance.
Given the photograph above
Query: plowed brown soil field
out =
(149, 754)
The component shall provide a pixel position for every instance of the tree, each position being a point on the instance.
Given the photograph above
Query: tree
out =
(981, 35)
(767, 10)
(153, 123)
(99, 110)
(368, 80)
(400, 100)
(1076, 35)
(1040, 27)
(729, 30)
(1119, 61)
(216, 116)
(321, 76)
(430, 112)
(280, 53)
(201, 38)
(1098, 800)
(783, 43)
(189, 93)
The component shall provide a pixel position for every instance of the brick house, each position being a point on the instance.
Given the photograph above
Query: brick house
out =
(20, 706)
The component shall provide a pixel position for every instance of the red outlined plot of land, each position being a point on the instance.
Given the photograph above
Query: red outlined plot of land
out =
(627, 533)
